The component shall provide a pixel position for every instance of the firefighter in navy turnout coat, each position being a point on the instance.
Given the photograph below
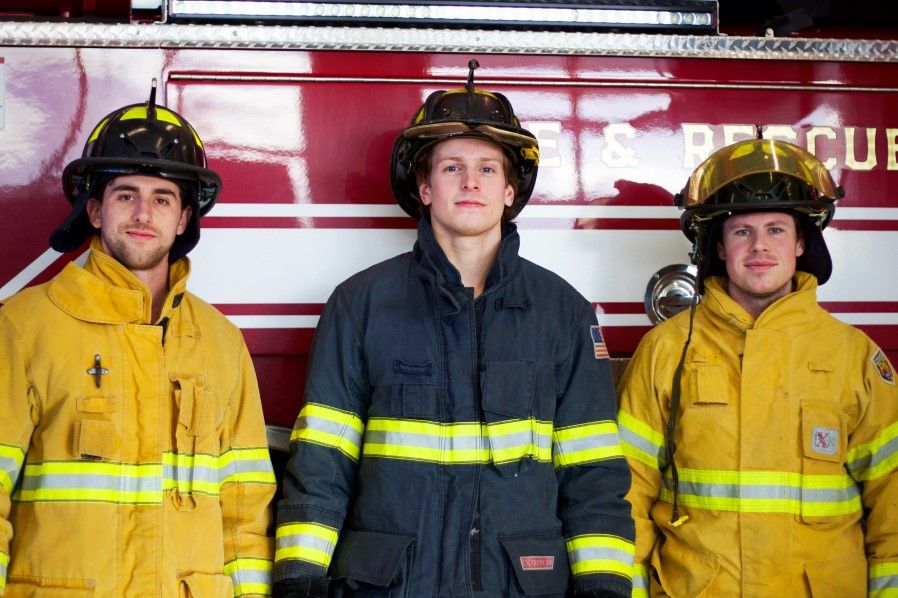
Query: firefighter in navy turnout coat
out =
(458, 436)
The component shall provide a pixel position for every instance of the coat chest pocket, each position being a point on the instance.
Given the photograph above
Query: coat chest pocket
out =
(413, 395)
(95, 435)
(823, 440)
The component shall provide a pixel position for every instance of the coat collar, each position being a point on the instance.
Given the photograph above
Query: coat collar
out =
(106, 292)
(430, 255)
(793, 310)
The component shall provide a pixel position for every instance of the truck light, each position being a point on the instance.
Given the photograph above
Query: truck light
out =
(670, 290)
(696, 16)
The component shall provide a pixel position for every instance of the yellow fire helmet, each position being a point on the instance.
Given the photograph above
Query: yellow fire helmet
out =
(465, 112)
(759, 175)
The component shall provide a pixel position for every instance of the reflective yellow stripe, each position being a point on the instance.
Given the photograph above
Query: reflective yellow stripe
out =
(4, 563)
(873, 460)
(91, 482)
(458, 443)
(586, 443)
(143, 483)
(249, 576)
(333, 428)
(310, 542)
(246, 465)
(11, 459)
(640, 441)
(640, 582)
(514, 440)
(96, 132)
(766, 492)
(600, 553)
(883, 580)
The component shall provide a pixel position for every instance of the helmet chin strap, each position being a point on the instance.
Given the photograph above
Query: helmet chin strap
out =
(676, 519)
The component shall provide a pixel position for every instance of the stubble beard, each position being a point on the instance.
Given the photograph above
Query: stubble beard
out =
(135, 259)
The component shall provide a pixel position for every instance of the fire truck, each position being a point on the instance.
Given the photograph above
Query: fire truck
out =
(299, 106)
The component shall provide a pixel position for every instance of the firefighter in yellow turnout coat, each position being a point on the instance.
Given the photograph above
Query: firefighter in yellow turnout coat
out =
(133, 458)
(784, 420)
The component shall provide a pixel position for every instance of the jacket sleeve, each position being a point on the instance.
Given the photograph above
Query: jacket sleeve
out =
(325, 446)
(17, 408)
(872, 460)
(592, 472)
(248, 487)
(642, 427)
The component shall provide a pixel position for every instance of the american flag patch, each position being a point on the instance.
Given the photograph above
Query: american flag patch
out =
(598, 344)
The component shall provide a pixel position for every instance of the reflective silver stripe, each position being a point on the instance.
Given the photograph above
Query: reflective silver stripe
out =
(246, 465)
(11, 459)
(586, 443)
(90, 482)
(250, 576)
(4, 561)
(766, 492)
(601, 553)
(326, 426)
(604, 553)
(460, 442)
(883, 579)
(142, 483)
(310, 542)
(641, 442)
(874, 464)
(640, 581)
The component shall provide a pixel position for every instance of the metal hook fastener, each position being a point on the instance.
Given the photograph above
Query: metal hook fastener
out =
(97, 371)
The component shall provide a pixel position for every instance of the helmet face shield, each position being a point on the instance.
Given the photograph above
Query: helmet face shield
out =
(466, 112)
(757, 156)
(140, 139)
(758, 175)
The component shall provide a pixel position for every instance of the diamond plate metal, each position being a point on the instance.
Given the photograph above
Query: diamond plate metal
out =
(442, 40)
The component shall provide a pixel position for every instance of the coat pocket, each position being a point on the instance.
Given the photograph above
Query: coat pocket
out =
(203, 585)
(844, 576)
(682, 571)
(823, 440)
(372, 560)
(540, 562)
(512, 433)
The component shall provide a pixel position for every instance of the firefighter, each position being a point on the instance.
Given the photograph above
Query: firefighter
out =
(458, 433)
(762, 432)
(133, 455)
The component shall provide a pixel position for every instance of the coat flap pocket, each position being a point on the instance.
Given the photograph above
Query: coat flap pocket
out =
(711, 384)
(96, 440)
(419, 401)
(683, 571)
(370, 557)
(540, 562)
(507, 389)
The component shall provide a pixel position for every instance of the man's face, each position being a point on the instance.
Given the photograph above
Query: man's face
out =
(139, 218)
(467, 190)
(760, 251)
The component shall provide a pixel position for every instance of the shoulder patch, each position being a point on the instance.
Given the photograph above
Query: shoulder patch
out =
(883, 367)
(598, 343)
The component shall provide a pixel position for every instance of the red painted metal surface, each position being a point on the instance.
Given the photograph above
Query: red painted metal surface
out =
(302, 141)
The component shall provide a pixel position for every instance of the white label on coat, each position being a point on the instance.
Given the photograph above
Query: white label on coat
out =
(824, 441)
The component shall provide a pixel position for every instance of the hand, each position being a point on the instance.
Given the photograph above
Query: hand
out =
(301, 587)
